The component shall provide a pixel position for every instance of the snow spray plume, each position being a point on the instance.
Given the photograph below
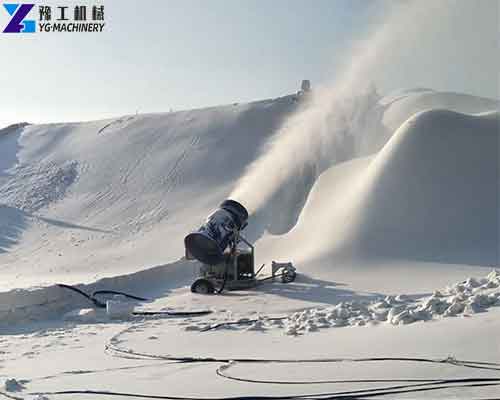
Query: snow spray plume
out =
(316, 131)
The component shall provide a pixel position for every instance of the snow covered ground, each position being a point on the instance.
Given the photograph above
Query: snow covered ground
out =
(393, 229)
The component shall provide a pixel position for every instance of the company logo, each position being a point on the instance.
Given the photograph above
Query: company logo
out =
(18, 23)
(74, 19)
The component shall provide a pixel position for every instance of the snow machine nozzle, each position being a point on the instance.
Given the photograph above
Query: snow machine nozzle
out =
(221, 228)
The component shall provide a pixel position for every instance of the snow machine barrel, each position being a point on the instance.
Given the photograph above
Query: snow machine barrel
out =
(208, 243)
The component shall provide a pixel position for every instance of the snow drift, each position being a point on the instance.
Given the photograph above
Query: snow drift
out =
(431, 194)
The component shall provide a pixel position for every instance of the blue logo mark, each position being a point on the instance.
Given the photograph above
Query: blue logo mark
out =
(17, 23)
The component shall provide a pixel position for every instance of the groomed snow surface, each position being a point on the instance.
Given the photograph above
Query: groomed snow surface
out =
(393, 230)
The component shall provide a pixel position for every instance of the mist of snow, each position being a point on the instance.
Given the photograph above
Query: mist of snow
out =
(314, 134)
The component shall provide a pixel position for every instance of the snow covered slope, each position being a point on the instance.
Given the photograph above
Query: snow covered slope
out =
(100, 198)
(88, 200)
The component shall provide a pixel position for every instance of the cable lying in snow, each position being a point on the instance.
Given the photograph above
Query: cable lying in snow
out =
(320, 396)
(92, 297)
(412, 386)
(99, 304)
(8, 396)
(223, 372)
(421, 386)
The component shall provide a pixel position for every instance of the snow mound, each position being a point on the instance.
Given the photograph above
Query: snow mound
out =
(33, 187)
(429, 195)
(411, 102)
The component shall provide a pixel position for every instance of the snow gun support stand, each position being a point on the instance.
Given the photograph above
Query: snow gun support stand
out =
(226, 257)
(236, 271)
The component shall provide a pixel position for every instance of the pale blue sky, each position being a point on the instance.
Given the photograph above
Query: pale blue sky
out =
(157, 55)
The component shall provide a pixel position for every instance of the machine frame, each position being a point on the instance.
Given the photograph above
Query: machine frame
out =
(223, 261)
(228, 274)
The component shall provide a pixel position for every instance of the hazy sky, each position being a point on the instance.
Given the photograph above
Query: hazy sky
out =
(157, 55)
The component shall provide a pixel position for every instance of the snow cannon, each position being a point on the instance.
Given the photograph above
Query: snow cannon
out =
(221, 229)
(225, 258)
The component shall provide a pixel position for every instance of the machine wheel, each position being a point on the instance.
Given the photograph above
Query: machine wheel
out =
(288, 276)
(202, 286)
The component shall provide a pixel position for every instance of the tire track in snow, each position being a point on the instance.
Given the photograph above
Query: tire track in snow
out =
(175, 173)
(117, 191)
(172, 179)
(145, 154)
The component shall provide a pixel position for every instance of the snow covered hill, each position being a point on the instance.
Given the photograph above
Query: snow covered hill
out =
(88, 200)
(85, 201)
(108, 197)
(406, 202)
